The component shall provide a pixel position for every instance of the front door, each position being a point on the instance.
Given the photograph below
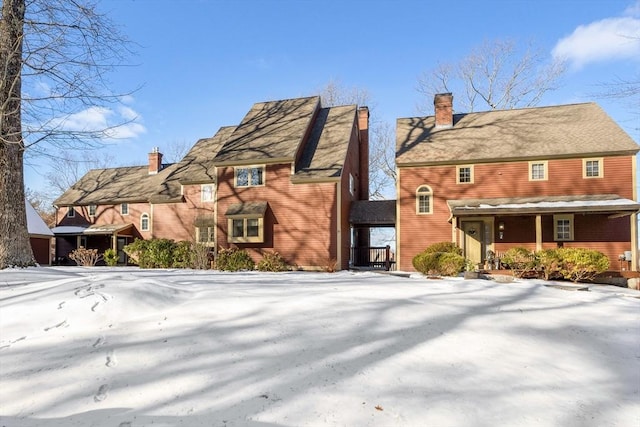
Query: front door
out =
(473, 232)
(122, 256)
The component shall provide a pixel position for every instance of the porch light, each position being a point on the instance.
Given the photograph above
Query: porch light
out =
(501, 229)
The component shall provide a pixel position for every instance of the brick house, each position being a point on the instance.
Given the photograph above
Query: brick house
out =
(537, 177)
(282, 180)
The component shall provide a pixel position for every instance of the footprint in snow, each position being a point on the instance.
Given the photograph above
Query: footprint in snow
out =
(99, 342)
(61, 304)
(102, 393)
(59, 325)
(111, 359)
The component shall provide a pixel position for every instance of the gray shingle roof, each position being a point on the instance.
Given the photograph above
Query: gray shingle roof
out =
(535, 133)
(325, 152)
(271, 132)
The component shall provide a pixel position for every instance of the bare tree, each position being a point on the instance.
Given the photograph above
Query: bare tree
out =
(495, 75)
(68, 168)
(381, 137)
(41, 202)
(54, 59)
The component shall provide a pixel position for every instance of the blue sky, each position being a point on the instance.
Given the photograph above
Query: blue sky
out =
(202, 64)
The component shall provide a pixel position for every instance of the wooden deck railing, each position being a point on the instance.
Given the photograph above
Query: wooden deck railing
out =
(374, 257)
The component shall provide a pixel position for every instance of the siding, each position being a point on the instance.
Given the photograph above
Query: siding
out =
(493, 180)
(301, 219)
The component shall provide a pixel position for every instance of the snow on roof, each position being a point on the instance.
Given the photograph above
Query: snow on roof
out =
(68, 229)
(35, 224)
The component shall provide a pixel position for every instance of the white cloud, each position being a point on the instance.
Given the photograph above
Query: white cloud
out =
(115, 125)
(604, 40)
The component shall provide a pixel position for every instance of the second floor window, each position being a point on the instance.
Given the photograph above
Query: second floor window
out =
(144, 222)
(207, 192)
(538, 171)
(424, 198)
(465, 174)
(92, 210)
(592, 168)
(71, 212)
(124, 209)
(252, 176)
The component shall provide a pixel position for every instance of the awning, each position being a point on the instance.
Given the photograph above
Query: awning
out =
(373, 213)
(601, 203)
(247, 210)
(205, 221)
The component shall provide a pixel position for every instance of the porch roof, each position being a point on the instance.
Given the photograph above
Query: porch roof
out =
(95, 229)
(599, 203)
(373, 213)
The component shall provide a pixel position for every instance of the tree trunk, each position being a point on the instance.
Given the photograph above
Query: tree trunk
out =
(15, 248)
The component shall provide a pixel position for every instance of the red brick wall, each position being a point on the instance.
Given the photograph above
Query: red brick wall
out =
(301, 219)
(511, 180)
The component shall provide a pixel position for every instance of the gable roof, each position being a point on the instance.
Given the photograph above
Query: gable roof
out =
(134, 183)
(271, 132)
(530, 133)
(35, 224)
(325, 152)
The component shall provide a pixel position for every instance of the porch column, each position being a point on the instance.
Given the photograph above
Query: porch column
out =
(454, 228)
(538, 232)
(114, 242)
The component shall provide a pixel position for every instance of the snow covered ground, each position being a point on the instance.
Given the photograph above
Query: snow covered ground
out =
(125, 347)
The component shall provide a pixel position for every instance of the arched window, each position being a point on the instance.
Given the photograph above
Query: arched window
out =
(424, 200)
(144, 222)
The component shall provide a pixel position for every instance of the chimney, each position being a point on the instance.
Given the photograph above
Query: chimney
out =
(155, 161)
(363, 126)
(443, 104)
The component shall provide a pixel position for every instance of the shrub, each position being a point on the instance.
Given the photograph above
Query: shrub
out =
(272, 261)
(443, 258)
(110, 257)
(161, 252)
(138, 253)
(85, 257)
(234, 259)
(201, 256)
(520, 260)
(582, 264)
(550, 260)
(183, 254)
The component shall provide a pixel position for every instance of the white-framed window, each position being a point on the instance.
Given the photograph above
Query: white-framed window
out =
(563, 227)
(246, 230)
(124, 209)
(207, 192)
(71, 212)
(92, 210)
(205, 235)
(249, 176)
(592, 168)
(144, 222)
(464, 174)
(424, 200)
(538, 171)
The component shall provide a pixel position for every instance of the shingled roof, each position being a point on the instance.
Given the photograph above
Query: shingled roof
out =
(531, 133)
(135, 184)
(325, 152)
(271, 132)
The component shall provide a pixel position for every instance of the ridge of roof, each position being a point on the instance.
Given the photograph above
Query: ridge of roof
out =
(559, 131)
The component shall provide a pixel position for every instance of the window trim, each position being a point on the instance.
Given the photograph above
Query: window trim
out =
(563, 217)
(71, 211)
(600, 161)
(471, 177)
(429, 195)
(148, 218)
(92, 209)
(545, 165)
(202, 193)
(245, 239)
(124, 207)
(211, 242)
(249, 175)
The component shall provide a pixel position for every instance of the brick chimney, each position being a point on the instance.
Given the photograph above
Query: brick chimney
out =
(363, 126)
(155, 161)
(443, 104)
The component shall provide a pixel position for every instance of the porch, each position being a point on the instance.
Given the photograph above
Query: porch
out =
(363, 216)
